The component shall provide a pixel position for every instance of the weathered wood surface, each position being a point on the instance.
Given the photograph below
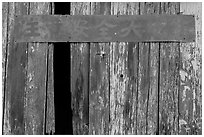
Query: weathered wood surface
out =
(147, 80)
(35, 95)
(15, 73)
(4, 46)
(123, 81)
(153, 59)
(99, 79)
(168, 80)
(190, 95)
(25, 76)
(80, 54)
(106, 28)
(50, 108)
(117, 88)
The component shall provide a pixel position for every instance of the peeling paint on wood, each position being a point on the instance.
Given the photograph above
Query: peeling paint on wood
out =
(169, 85)
(190, 95)
(80, 77)
(15, 75)
(35, 95)
(99, 80)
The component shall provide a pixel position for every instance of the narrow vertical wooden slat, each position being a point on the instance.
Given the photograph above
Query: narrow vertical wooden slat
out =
(118, 92)
(80, 53)
(143, 88)
(190, 95)
(169, 75)
(50, 111)
(99, 89)
(143, 81)
(99, 79)
(15, 75)
(152, 108)
(35, 95)
(148, 79)
(130, 108)
(123, 73)
(5, 6)
(169, 89)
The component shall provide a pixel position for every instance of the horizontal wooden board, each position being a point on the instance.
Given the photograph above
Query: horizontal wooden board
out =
(104, 28)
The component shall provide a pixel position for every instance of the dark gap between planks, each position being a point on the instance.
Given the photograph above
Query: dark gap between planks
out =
(62, 93)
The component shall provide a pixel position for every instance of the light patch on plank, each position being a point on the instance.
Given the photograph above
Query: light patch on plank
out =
(183, 75)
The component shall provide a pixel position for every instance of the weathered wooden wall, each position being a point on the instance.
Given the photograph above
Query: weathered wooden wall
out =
(26, 91)
(117, 88)
(137, 88)
(190, 97)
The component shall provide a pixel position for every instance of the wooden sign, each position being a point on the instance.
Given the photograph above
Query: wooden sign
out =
(104, 28)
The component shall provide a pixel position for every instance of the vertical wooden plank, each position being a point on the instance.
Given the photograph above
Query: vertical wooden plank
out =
(80, 53)
(117, 87)
(148, 79)
(123, 83)
(50, 107)
(130, 107)
(169, 75)
(99, 89)
(5, 6)
(152, 108)
(35, 94)
(50, 110)
(190, 95)
(15, 75)
(169, 87)
(143, 88)
(99, 79)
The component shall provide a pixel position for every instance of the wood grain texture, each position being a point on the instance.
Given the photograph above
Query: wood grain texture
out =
(153, 59)
(117, 88)
(5, 14)
(143, 88)
(148, 79)
(123, 84)
(99, 79)
(15, 74)
(50, 108)
(80, 53)
(190, 95)
(169, 75)
(35, 95)
(152, 109)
